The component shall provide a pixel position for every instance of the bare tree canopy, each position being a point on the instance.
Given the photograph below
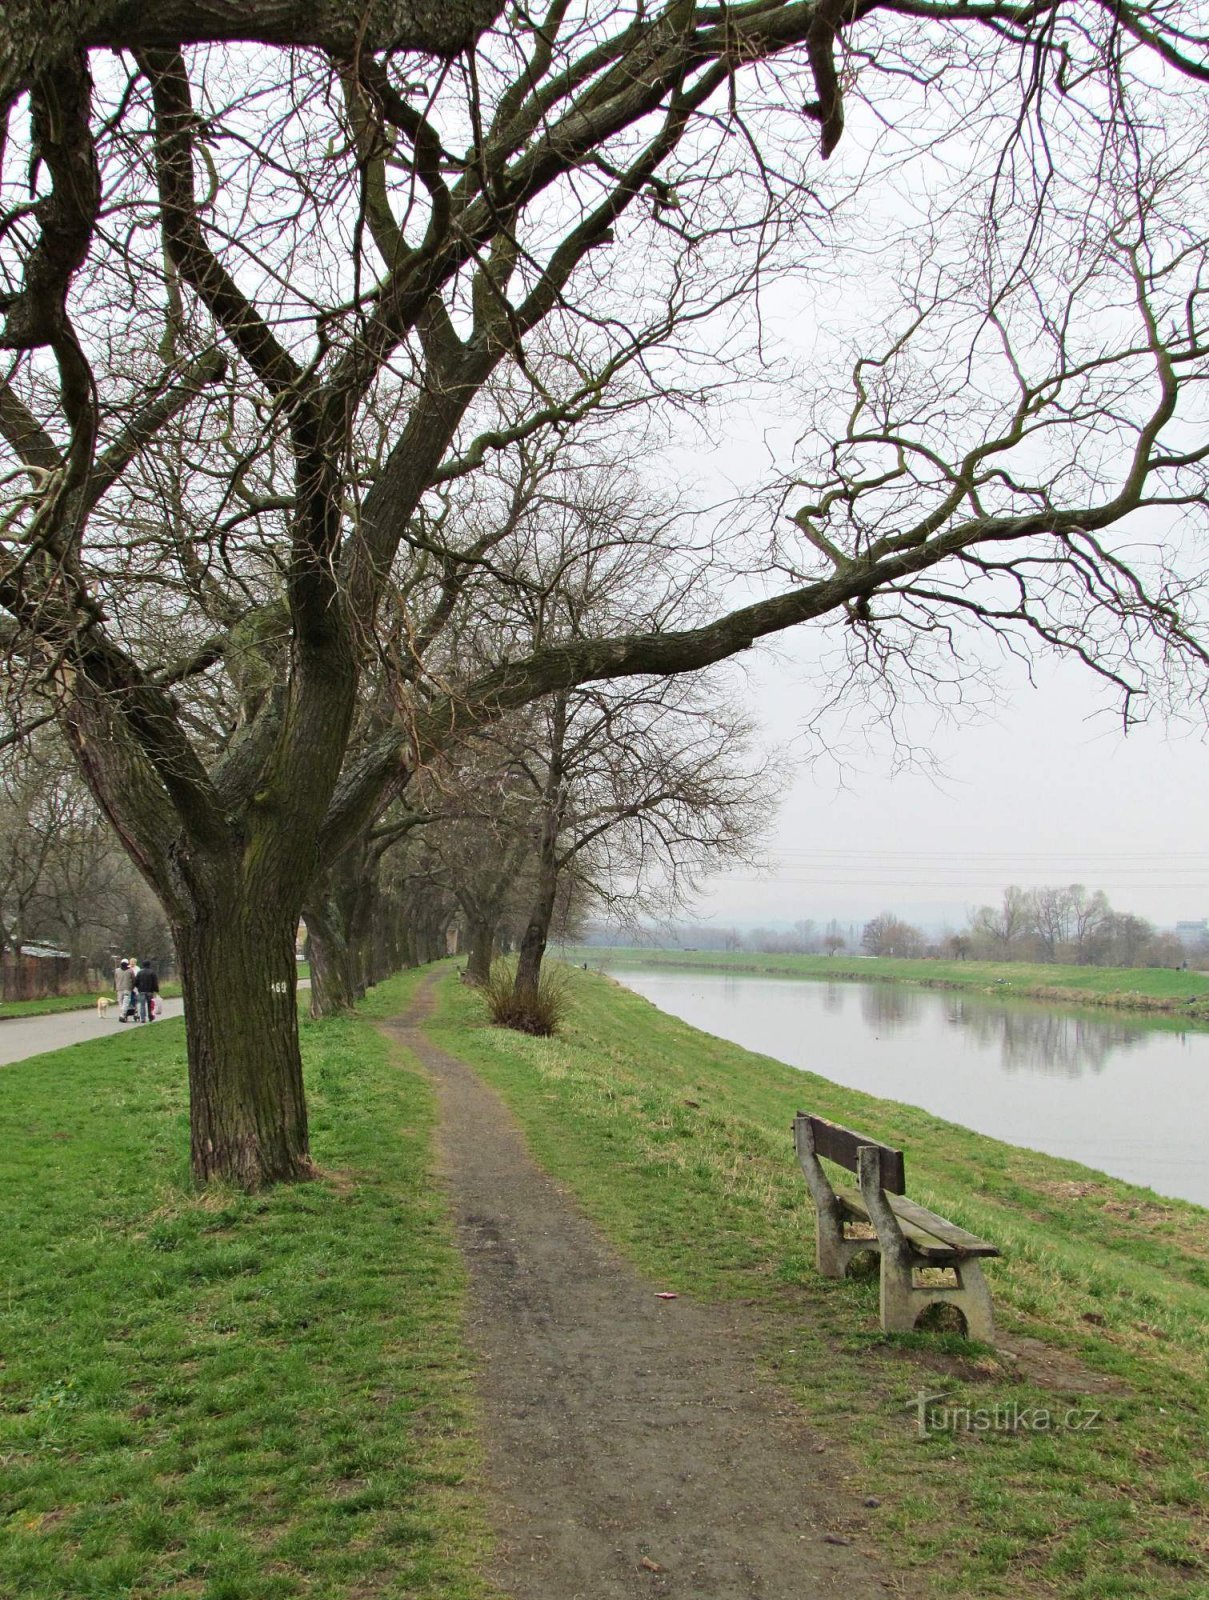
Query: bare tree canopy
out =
(279, 283)
(36, 36)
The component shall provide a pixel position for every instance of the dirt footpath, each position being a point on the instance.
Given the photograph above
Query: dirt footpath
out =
(632, 1450)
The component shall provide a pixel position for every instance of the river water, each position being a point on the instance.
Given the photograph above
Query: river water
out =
(1106, 1088)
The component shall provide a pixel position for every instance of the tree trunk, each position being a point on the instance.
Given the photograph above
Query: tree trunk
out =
(480, 941)
(334, 987)
(537, 929)
(248, 1113)
(339, 915)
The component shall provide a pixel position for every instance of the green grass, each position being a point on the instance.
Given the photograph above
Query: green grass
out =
(678, 1145)
(221, 1396)
(49, 1004)
(1132, 988)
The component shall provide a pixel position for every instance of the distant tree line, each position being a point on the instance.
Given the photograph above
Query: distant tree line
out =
(805, 938)
(65, 880)
(1066, 924)
(1071, 925)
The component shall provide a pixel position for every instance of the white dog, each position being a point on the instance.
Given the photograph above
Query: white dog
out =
(103, 1004)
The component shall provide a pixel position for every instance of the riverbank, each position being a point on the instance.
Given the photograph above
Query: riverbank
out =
(677, 1145)
(257, 1398)
(1154, 989)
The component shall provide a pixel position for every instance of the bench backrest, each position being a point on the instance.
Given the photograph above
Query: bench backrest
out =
(841, 1144)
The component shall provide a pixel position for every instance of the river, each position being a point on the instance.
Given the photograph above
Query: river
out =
(1107, 1089)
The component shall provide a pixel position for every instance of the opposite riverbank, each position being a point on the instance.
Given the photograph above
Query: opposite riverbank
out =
(1154, 989)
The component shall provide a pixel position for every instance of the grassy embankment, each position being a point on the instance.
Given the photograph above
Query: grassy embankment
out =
(677, 1144)
(252, 1399)
(1158, 989)
(225, 1397)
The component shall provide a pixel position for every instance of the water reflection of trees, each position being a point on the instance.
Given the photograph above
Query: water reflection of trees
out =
(833, 998)
(888, 1008)
(1048, 1042)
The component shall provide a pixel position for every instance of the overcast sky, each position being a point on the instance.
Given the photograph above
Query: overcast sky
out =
(1046, 792)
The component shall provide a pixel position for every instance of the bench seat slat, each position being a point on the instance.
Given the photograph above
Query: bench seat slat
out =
(910, 1211)
(928, 1233)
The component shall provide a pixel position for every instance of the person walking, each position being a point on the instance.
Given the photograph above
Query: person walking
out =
(123, 984)
(146, 984)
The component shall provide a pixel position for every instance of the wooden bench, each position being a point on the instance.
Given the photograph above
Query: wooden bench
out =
(909, 1238)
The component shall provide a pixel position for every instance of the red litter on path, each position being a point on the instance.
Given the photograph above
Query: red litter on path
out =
(666, 1294)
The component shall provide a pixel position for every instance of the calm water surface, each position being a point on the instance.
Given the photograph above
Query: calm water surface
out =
(1105, 1089)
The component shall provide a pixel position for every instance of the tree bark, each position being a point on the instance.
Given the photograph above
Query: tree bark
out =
(334, 987)
(248, 1123)
(480, 941)
(36, 36)
(537, 929)
(339, 915)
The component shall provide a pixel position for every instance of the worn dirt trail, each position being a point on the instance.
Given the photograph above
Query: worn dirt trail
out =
(632, 1450)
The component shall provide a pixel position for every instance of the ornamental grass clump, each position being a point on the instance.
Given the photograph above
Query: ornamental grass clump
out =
(539, 1011)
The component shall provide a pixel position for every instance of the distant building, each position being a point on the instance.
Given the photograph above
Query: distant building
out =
(34, 971)
(1193, 934)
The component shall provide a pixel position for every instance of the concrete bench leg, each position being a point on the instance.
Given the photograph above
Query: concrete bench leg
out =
(903, 1303)
(833, 1252)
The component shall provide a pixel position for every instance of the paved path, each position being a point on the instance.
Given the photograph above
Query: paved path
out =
(632, 1449)
(21, 1037)
(33, 1036)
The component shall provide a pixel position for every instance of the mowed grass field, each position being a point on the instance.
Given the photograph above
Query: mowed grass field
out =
(678, 1145)
(1132, 988)
(221, 1396)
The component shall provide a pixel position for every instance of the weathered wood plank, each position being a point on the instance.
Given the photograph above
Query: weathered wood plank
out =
(908, 1211)
(841, 1145)
(927, 1231)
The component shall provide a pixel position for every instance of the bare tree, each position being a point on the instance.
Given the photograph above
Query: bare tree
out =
(888, 935)
(271, 361)
(1001, 929)
(63, 874)
(637, 793)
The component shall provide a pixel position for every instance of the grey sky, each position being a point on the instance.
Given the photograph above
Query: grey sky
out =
(1047, 791)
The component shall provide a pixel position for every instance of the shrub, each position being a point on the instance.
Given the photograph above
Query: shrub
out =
(540, 1013)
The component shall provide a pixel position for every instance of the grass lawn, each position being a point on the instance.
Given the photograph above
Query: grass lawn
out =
(49, 1004)
(678, 1145)
(1135, 988)
(218, 1396)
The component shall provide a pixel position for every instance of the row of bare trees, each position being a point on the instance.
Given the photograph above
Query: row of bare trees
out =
(280, 284)
(1067, 923)
(604, 798)
(64, 879)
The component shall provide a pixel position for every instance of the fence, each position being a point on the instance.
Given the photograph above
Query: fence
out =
(31, 976)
